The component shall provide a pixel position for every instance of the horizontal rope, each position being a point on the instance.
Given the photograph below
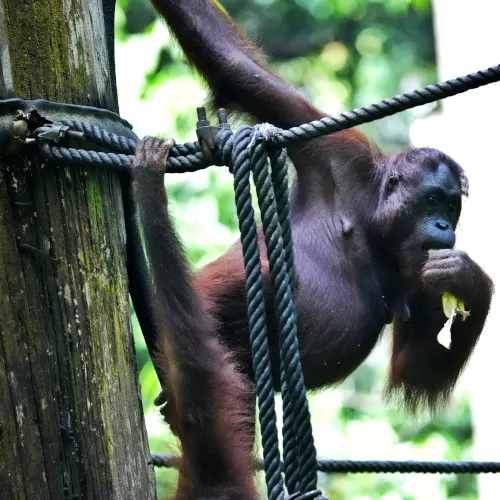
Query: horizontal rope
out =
(388, 107)
(189, 157)
(374, 466)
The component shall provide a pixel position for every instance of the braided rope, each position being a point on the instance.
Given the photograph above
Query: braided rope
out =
(410, 466)
(102, 137)
(84, 157)
(256, 309)
(119, 143)
(189, 158)
(293, 386)
(375, 466)
(279, 179)
(122, 162)
(183, 158)
(272, 234)
(388, 107)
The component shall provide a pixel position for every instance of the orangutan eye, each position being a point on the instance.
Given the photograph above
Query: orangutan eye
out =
(432, 199)
(393, 181)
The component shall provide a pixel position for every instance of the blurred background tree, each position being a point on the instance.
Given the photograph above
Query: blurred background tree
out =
(341, 54)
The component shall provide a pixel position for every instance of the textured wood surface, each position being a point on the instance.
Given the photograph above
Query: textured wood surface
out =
(71, 422)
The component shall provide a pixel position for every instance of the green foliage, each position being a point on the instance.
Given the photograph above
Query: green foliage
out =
(340, 53)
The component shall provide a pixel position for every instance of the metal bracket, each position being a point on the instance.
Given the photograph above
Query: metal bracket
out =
(60, 134)
(207, 133)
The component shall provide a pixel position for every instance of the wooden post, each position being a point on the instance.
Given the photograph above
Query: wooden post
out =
(71, 422)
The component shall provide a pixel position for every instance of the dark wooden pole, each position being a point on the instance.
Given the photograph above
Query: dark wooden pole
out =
(71, 422)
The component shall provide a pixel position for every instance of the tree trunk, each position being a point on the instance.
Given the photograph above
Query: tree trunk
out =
(71, 422)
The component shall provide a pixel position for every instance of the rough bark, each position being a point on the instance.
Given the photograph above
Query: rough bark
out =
(71, 423)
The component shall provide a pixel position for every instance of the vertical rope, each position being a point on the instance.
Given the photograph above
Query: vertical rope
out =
(294, 386)
(272, 233)
(256, 313)
(279, 178)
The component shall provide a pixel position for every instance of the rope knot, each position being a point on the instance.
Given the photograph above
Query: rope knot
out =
(269, 133)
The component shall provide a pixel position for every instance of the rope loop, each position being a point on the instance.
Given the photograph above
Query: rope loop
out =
(251, 151)
(256, 307)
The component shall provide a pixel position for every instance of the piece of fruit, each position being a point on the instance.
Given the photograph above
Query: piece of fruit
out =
(452, 307)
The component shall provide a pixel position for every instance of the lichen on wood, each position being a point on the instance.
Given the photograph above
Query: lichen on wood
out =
(71, 423)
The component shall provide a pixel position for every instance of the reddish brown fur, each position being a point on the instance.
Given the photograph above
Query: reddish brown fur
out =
(363, 223)
(205, 394)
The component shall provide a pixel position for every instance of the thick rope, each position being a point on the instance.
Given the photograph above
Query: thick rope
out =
(256, 308)
(292, 464)
(389, 107)
(297, 421)
(119, 143)
(375, 466)
(97, 135)
(279, 177)
(84, 157)
(183, 158)
(189, 158)
(117, 161)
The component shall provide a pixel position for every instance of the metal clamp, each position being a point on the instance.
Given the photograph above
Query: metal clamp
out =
(58, 133)
(207, 133)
